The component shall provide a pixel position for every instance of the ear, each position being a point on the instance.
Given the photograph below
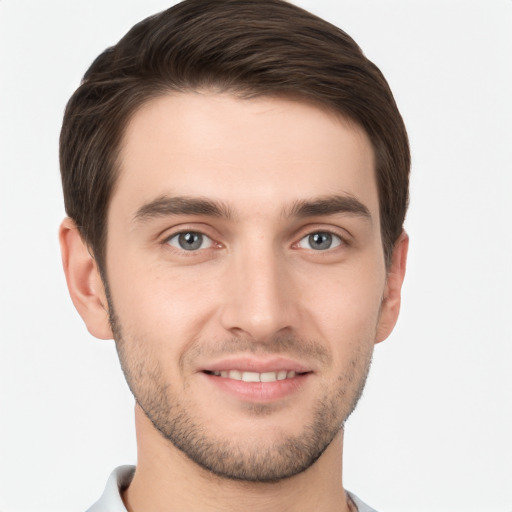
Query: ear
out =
(84, 281)
(390, 307)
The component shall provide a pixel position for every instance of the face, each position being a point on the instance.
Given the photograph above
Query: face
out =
(246, 277)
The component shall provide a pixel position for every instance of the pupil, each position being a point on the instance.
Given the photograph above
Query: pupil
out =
(190, 241)
(320, 241)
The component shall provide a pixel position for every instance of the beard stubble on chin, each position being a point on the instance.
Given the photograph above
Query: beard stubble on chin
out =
(287, 455)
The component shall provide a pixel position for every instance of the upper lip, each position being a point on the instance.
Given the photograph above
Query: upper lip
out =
(257, 364)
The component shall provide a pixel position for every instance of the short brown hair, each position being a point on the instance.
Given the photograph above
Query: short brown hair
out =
(250, 48)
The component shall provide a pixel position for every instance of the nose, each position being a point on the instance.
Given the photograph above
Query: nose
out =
(259, 299)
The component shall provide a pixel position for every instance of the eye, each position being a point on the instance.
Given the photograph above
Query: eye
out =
(320, 241)
(190, 241)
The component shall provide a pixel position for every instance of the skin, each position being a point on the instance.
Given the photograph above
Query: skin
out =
(256, 290)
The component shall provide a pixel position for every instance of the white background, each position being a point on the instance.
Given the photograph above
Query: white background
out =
(433, 431)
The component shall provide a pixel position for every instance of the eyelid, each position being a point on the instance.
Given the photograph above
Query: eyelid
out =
(336, 243)
(342, 234)
(201, 229)
(305, 231)
(205, 238)
(192, 227)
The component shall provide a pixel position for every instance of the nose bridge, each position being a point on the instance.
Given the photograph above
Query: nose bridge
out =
(259, 302)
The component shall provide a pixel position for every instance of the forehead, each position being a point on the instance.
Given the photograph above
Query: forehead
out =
(248, 153)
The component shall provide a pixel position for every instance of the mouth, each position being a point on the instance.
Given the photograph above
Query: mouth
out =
(257, 380)
(249, 376)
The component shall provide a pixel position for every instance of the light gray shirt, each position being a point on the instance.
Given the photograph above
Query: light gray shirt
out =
(121, 477)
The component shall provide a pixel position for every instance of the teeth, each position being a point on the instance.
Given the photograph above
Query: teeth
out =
(255, 376)
(251, 377)
(235, 374)
(268, 377)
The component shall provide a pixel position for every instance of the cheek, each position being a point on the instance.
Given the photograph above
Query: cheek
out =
(161, 304)
(344, 303)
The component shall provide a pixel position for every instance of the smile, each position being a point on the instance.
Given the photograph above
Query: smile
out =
(254, 376)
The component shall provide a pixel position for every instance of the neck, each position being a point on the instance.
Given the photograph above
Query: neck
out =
(167, 479)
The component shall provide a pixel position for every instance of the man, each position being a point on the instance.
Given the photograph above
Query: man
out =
(236, 178)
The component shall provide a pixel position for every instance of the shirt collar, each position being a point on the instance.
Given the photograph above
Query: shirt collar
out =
(111, 500)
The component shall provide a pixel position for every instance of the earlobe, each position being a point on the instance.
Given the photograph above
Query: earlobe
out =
(84, 281)
(392, 294)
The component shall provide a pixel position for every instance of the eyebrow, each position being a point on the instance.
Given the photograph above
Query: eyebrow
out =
(165, 206)
(328, 205)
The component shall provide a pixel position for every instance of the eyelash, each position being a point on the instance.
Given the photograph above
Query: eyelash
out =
(340, 240)
(213, 244)
(176, 249)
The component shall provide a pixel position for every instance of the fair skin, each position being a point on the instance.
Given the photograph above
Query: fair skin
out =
(243, 244)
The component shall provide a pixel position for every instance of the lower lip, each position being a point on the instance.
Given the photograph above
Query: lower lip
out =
(258, 391)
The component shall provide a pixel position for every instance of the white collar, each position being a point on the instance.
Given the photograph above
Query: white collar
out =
(111, 500)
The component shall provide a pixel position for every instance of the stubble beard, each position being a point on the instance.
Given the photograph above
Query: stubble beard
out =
(286, 456)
